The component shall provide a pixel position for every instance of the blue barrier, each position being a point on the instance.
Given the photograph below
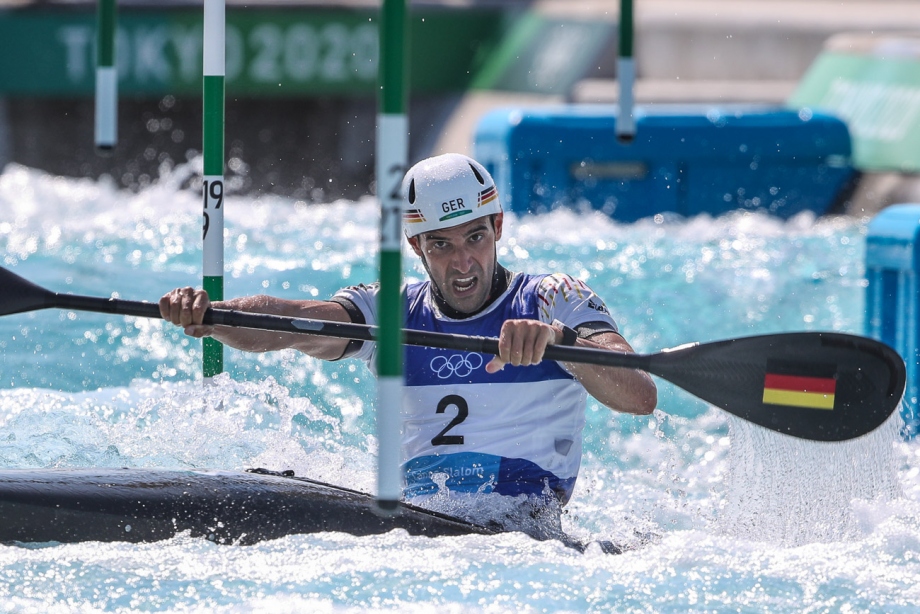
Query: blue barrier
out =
(685, 160)
(892, 310)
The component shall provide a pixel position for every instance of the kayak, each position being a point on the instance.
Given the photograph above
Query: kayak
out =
(226, 507)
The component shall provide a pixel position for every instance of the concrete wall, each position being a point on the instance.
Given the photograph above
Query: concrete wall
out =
(316, 150)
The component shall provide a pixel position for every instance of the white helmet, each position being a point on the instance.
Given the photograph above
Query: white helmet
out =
(446, 191)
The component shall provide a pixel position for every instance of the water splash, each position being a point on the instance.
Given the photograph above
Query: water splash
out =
(791, 491)
(226, 425)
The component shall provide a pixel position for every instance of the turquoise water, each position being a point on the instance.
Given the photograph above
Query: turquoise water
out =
(741, 519)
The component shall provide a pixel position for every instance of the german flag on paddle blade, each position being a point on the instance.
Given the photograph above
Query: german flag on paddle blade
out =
(797, 384)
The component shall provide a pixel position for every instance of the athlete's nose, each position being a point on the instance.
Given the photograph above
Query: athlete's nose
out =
(462, 260)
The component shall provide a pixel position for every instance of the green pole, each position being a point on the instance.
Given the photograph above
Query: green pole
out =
(213, 187)
(391, 155)
(106, 122)
(626, 75)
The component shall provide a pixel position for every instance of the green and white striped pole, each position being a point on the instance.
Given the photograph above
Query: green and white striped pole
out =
(213, 188)
(106, 78)
(626, 75)
(392, 153)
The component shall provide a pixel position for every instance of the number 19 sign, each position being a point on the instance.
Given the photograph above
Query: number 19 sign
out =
(213, 188)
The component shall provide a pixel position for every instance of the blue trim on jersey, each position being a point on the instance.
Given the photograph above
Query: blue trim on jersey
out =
(474, 472)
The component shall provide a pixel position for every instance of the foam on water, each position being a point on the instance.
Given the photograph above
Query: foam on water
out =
(722, 515)
(228, 424)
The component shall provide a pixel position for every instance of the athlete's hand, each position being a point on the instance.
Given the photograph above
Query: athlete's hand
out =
(522, 343)
(185, 307)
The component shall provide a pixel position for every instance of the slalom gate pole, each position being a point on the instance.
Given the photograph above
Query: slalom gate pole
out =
(626, 75)
(106, 119)
(213, 180)
(392, 154)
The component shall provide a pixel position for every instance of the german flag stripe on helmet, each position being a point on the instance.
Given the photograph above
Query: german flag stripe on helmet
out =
(487, 196)
(413, 216)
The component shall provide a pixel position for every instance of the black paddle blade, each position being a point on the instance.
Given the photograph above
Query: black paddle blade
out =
(818, 386)
(18, 295)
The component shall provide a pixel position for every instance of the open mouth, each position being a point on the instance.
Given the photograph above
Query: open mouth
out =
(464, 285)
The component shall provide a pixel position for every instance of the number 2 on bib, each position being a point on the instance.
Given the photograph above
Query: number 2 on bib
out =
(463, 410)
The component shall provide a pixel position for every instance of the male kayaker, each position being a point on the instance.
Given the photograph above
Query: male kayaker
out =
(510, 424)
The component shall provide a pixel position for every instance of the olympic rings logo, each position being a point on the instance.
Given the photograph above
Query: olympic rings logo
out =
(459, 365)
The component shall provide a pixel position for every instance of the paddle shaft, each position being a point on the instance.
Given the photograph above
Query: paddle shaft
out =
(823, 386)
(344, 330)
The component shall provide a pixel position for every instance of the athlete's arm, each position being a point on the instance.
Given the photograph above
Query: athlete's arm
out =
(186, 307)
(523, 343)
(626, 390)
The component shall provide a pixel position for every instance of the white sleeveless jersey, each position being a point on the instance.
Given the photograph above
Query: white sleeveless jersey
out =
(518, 431)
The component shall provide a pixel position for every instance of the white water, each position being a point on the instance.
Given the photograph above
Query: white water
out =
(740, 519)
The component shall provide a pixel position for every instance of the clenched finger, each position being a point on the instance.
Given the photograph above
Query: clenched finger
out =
(199, 306)
(185, 312)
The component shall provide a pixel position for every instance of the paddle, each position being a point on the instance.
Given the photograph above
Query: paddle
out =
(819, 386)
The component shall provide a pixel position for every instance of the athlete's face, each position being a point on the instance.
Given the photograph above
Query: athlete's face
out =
(461, 261)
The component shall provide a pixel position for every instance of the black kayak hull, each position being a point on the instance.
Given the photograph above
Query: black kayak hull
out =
(228, 507)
